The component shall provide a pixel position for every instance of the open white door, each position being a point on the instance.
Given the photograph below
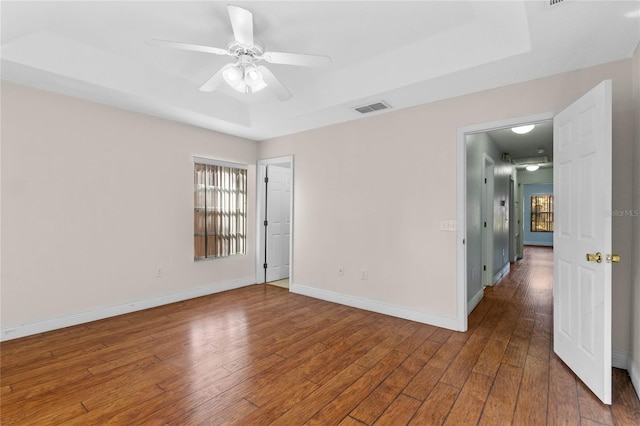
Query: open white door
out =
(278, 222)
(582, 192)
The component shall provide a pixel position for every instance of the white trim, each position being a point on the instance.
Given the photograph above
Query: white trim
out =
(634, 373)
(261, 173)
(501, 274)
(29, 329)
(277, 160)
(461, 202)
(620, 360)
(462, 311)
(375, 306)
(220, 163)
(624, 361)
(475, 300)
(260, 194)
(486, 215)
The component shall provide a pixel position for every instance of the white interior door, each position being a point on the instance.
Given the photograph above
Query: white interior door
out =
(582, 192)
(278, 222)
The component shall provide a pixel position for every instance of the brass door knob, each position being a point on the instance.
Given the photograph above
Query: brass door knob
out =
(613, 258)
(594, 257)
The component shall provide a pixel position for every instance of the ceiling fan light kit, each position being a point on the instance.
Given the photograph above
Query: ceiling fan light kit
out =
(244, 75)
(245, 78)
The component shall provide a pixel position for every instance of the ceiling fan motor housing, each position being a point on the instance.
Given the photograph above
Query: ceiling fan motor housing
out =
(243, 52)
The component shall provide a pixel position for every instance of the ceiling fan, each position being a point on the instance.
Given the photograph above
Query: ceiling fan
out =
(244, 75)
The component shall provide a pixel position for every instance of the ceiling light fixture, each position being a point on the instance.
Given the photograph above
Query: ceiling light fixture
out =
(245, 78)
(521, 130)
(532, 168)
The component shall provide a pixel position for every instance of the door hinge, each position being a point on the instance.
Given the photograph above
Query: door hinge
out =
(266, 223)
(485, 224)
(485, 180)
(266, 179)
(484, 267)
(264, 265)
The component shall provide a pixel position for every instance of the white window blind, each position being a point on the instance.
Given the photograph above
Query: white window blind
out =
(220, 208)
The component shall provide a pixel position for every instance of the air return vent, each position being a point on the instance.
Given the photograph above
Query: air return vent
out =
(377, 106)
(530, 160)
(552, 3)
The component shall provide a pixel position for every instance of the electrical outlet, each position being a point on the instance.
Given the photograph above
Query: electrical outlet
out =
(340, 271)
(364, 274)
(159, 273)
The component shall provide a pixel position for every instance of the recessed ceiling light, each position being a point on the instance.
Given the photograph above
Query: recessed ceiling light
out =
(521, 130)
(532, 168)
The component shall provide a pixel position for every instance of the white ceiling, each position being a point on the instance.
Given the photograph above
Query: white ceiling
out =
(405, 53)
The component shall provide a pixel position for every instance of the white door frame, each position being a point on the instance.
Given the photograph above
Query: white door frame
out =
(513, 222)
(486, 209)
(261, 172)
(461, 201)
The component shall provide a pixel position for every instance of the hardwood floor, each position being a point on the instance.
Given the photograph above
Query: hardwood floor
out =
(261, 355)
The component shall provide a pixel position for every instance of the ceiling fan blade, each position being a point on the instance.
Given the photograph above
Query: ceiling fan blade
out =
(215, 80)
(187, 46)
(242, 24)
(299, 59)
(274, 84)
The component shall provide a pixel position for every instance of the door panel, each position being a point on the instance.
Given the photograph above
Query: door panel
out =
(582, 189)
(279, 222)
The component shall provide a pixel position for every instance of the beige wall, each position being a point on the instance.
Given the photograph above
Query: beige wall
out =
(95, 199)
(371, 193)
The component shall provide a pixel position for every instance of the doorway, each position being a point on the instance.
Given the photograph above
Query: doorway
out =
(471, 249)
(582, 290)
(274, 221)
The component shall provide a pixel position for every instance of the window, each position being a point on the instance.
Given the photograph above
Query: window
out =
(220, 208)
(542, 213)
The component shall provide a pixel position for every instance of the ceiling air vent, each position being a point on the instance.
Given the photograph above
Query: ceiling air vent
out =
(377, 106)
(530, 160)
(552, 3)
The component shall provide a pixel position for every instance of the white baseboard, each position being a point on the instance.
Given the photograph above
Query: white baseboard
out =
(620, 360)
(634, 373)
(501, 274)
(375, 306)
(471, 304)
(624, 361)
(29, 329)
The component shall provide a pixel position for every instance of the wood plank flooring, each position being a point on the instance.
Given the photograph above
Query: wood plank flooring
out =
(261, 355)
